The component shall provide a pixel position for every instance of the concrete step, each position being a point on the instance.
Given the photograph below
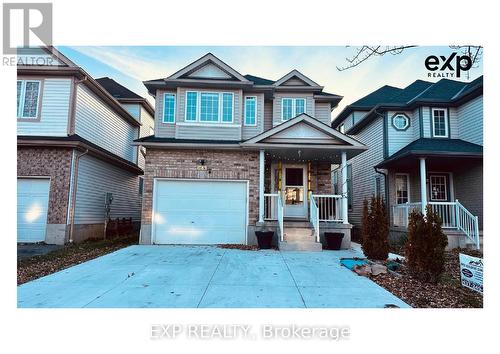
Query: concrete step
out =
(305, 238)
(294, 224)
(300, 246)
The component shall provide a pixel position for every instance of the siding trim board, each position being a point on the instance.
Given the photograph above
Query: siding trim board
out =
(421, 121)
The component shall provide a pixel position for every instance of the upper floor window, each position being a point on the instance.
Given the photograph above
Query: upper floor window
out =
(169, 108)
(400, 121)
(28, 97)
(211, 107)
(250, 110)
(439, 123)
(291, 107)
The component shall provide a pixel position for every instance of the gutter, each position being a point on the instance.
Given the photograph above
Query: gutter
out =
(73, 196)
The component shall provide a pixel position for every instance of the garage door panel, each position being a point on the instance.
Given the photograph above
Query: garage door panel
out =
(200, 212)
(32, 208)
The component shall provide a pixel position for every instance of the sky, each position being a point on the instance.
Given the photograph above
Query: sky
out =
(130, 65)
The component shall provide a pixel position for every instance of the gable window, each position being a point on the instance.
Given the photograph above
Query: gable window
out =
(292, 107)
(438, 185)
(191, 105)
(400, 121)
(250, 110)
(169, 108)
(402, 189)
(227, 107)
(28, 97)
(439, 123)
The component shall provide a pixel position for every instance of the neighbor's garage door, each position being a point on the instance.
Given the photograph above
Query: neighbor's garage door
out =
(199, 212)
(32, 205)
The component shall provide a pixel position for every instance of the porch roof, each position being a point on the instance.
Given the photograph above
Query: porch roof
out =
(427, 147)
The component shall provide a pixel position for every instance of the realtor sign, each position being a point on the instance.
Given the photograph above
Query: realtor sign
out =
(471, 272)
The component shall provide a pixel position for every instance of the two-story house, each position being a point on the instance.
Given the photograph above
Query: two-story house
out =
(425, 147)
(233, 153)
(74, 152)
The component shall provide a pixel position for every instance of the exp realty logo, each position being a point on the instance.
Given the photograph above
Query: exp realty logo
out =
(450, 67)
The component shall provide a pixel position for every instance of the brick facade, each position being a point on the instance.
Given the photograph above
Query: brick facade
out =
(221, 164)
(54, 163)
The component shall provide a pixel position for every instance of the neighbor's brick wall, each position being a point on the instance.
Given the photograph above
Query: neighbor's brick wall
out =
(235, 165)
(53, 162)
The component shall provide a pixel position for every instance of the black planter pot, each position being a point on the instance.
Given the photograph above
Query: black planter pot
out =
(333, 240)
(264, 239)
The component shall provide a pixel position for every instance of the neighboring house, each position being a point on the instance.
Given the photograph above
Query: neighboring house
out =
(73, 149)
(136, 105)
(425, 147)
(234, 153)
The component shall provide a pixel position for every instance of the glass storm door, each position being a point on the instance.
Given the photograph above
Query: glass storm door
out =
(295, 191)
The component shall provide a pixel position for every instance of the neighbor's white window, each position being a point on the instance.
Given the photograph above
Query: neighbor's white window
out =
(400, 121)
(439, 123)
(28, 97)
(438, 185)
(169, 108)
(250, 110)
(227, 107)
(191, 105)
(402, 189)
(292, 107)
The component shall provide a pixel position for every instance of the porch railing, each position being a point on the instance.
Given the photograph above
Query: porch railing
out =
(453, 215)
(329, 207)
(314, 214)
(279, 214)
(271, 206)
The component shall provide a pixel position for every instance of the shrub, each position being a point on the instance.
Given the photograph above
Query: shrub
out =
(425, 246)
(375, 231)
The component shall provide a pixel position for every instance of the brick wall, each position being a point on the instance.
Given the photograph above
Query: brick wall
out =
(321, 178)
(221, 164)
(53, 162)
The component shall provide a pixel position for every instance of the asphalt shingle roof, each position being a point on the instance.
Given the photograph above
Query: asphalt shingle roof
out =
(384, 94)
(116, 90)
(259, 80)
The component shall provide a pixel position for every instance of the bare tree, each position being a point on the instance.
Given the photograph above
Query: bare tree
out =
(365, 52)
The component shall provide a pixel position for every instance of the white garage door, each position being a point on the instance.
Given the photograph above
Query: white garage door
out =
(32, 205)
(199, 212)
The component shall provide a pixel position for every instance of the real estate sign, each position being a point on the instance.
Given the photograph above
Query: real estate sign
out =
(471, 272)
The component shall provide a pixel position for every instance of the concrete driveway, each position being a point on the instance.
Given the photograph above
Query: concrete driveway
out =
(204, 276)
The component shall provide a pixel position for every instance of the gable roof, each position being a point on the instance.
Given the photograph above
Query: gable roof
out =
(115, 89)
(297, 74)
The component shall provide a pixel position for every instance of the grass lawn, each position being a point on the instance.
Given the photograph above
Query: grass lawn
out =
(38, 266)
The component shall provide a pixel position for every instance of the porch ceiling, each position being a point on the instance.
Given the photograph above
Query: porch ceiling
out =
(305, 154)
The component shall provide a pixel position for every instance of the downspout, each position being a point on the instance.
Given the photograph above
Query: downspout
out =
(73, 196)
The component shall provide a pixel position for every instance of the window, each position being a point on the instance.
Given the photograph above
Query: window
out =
(342, 128)
(335, 182)
(292, 107)
(250, 110)
(438, 186)
(402, 189)
(439, 123)
(191, 105)
(349, 186)
(378, 187)
(227, 107)
(209, 107)
(141, 186)
(169, 108)
(400, 121)
(28, 96)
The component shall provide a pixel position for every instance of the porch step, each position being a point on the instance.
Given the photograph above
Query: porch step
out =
(298, 234)
(300, 246)
(299, 239)
(298, 223)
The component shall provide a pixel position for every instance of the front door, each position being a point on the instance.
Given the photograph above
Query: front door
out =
(295, 191)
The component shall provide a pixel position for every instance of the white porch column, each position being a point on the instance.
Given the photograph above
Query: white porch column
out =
(262, 168)
(423, 187)
(344, 187)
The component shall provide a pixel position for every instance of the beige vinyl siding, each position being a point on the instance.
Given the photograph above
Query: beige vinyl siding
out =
(278, 96)
(134, 109)
(101, 125)
(397, 139)
(164, 130)
(36, 56)
(54, 110)
(468, 187)
(249, 131)
(95, 179)
(268, 115)
(427, 121)
(470, 121)
(453, 121)
(147, 121)
(207, 131)
(363, 173)
(415, 124)
(322, 112)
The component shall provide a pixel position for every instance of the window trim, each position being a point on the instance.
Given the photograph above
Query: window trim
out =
(164, 105)
(220, 107)
(37, 117)
(342, 128)
(446, 185)
(446, 126)
(408, 121)
(294, 107)
(245, 112)
(407, 175)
